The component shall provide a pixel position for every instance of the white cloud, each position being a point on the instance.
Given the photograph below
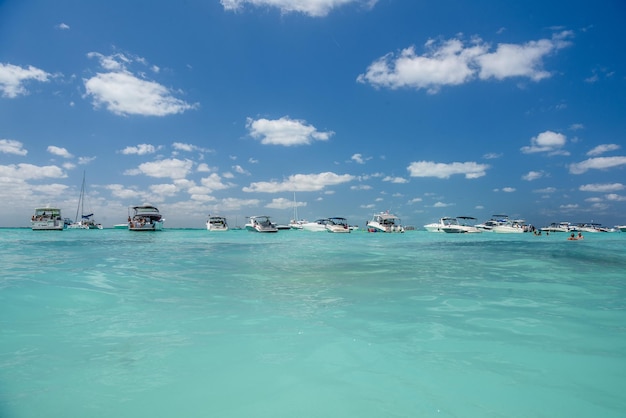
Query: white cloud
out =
(471, 170)
(546, 190)
(492, 156)
(285, 131)
(397, 180)
(508, 189)
(599, 163)
(13, 78)
(451, 62)
(548, 141)
(168, 168)
(615, 197)
(280, 203)
(601, 149)
(122, 93)
(532, 175)
(11, 146)
(313, 8)
(30, 172)
(442, 205)
(63, 26)
(525, 60)
(358, 158)
(61, 152)
(240, 170)
(300, 183)
(602, 188)
(214, 182)
(179, 146)
(141, 149)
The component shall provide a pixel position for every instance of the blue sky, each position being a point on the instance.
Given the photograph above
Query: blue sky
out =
(425, 109)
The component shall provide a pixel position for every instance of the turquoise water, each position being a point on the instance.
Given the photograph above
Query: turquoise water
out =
(188, 323)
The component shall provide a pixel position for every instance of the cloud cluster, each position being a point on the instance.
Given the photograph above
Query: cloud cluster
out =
(13, 79)
(123, 93)
(548, 142)
(313, 8)
(285, 131)
(300, 183)
(471, 170)
(452, 62)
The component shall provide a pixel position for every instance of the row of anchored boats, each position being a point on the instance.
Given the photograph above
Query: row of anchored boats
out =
(381, 222)
(503, 225)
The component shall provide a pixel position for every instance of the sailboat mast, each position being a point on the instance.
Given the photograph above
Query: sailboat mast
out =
(81, 201)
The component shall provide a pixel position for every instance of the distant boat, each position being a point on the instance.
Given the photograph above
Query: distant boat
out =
(47, 219)
(517, 226)
(384, 222)
(145, 218)
(296, 223)
(495, 220)
(261, 224)
(622, 228)
(85, 221)
(337, 225)
(557, 227)
(216, 223)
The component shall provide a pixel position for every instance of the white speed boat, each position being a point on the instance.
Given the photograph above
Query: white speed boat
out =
(338, 225)
(464, 225)
(384, 222)
(318, 225)
(260, 224)
(517, 226)
(441, 224)
(216, 223)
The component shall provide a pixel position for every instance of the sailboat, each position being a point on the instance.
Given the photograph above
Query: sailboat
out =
(85, 221)
(295, 223)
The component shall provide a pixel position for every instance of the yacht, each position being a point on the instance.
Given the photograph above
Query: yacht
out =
(337, 225)
(47, 219)
(384, 222)
(145, 218)
(260, 224)
(216, 223)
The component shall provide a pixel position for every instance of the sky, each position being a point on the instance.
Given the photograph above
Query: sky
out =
(342, 108)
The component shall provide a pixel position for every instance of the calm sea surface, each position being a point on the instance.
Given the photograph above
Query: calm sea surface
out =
(191, 323)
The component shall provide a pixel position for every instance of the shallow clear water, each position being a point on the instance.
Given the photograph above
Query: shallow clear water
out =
(190, 323)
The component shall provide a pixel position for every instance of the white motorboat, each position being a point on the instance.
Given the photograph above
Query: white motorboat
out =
(145, 218)
(589, 227)
(47, 219)
(517, 226)
(464, 225)
(439, 226)
(384, 222)
(216, 223)
(260, 224)
(318, 225)
(338, 225)
(558, 227)
(84, 221)
(495, 220)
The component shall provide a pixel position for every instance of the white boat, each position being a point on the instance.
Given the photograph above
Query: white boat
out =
(216, 223)
(589, 227)
(85, 221)
(495, 220)
(384, 222)
(319, 225)
(517, 226)
(337, 225)
(558, 227)
(441, 224)
(47, 219)
(295, 223)
(464, 225)
(260, 224)
(145, 218)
